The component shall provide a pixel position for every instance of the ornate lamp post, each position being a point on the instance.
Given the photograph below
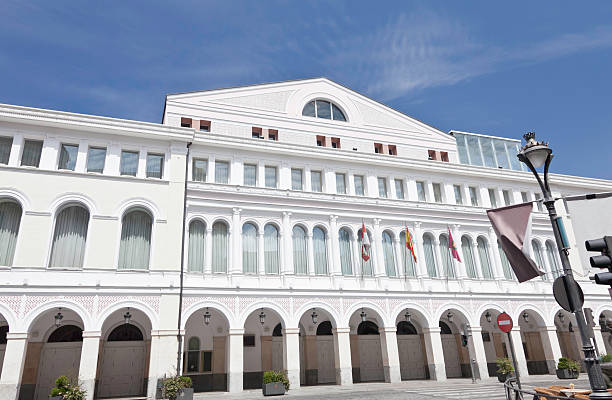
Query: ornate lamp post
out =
(536, 155)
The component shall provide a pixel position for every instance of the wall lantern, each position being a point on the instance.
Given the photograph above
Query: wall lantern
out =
(488, 316)
(363, 315)
(262, 317)
(450, 316)
(561, 317)
(407, 316)
(526, 316)
(58, 317)
(127, 316)
(314, 316)
(206, 317)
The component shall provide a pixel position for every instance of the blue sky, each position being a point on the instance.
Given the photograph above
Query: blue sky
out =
(488, 67)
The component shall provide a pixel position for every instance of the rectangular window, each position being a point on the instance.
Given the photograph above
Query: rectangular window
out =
(492, 198)
(378, 148)
(458, 196)
(185, 122)
(198, 170)
(473, 196)
(340, 183)
(68, 156)
(437, 189)
(507, 197)
(31, 153)
(250, 175)
(524, 197)
(204, 126)
(359, 189)
(382, 187)
(273, 134)
(399, 188)
(392, 150)
(129, 163)
(431, 154)
(256, 133)
(96, 158)
(421, 190)
(538, 198)
(248, 340)
(155, 165)
(315, 181)
(320, 141)
(221, 172)
(444, 156)
(5, 149)
(296, 179)
(207, 361)
(271, 177)
(335, 142)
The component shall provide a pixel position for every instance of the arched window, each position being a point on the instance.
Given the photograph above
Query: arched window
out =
(366, 266)
(323, 109)
(324, 329)
(66, 333)
(319, 245)
(468, 256)
(278, 330)
(197, 246)
(387, 244)
(508, 274)
(447, 258)
(219, 247)
(367, 328)
(193, 354)
(249, 249)
(406, 328)
(430, 260)
(537, 254)
(271, 249)
(69, 238)
(135, 240)
(344, 238)
(407, 256)
(10, 218)
(444, 328)
(300, 253)
(551, 252)
(485, 260)
(125, 333)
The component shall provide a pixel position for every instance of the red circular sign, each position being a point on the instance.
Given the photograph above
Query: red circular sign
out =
(504, 322)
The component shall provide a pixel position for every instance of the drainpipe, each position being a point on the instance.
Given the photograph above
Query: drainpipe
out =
(180, 306)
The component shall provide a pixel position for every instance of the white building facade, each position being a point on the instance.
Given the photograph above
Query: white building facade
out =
(279, 178)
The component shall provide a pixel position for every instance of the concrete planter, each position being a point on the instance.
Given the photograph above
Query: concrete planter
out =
(567, 374)
(185, 394)
(503, 377)
(273, 389)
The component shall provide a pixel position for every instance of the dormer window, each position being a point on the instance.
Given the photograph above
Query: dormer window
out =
(323, 109)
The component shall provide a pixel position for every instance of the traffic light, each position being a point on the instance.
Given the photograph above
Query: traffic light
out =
(464, 340)
(603, 245)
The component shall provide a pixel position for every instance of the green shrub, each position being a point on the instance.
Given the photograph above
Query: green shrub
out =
(68, 390)
(606, 357)
(566, 363)
(276, 376)
(504, 366)
(171, 386)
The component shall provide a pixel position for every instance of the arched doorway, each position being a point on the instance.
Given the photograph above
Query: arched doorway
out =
(411, 345)
(317, 348)
(532, 325)
(366, 351)
(263, 346)
(53, 351)
(456, 358)
(605, 322)
(125, 354)
(205, 350)
(569, 337)
(4, 328)
(492, 340)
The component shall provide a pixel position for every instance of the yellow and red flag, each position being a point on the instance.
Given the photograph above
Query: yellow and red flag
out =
(409, 244)
(452, 247)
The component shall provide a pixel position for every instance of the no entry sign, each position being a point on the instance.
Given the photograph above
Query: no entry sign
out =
(504, 322)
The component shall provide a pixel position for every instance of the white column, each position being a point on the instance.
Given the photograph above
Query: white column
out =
(287, 243)
(142, 163)
(261, 253)
(334, 246)
(390, 354)
(521, 361)
(357, 261)
(601, 345)
(12, 367)
(498, 272)
(342, 356)
(235, 258)
(284, 179)
(162, 358)
(552, 350)
(460, 266)
(411, 193)
(307, 180)
(291, 355)
(112, 164)
(89, 362)
(81, 162)
(399, 257)
(16, 150)
(439, 262)
(236, 361)
(350, 184)
(417, 241)
(485, 201)
(310, 250)
(49, 154)
(208, 251)
(477, 352)
(435, 354)
(378, 261)
(261, 175)
(476, 257)
(210, 174)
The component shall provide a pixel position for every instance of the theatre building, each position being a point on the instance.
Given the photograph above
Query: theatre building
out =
(260, 194)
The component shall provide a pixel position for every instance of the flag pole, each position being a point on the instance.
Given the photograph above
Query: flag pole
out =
(405, 260)
(361, 249)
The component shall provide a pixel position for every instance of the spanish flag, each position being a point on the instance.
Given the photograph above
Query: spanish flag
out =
(409, 244)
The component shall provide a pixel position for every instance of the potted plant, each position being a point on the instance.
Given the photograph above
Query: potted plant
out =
(567, 369)
(274, 383)
(66, 390)
(504, 369)
(605, 358)
(177, 388)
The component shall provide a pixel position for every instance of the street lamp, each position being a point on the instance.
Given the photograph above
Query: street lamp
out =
(206, 317)
(536, 155)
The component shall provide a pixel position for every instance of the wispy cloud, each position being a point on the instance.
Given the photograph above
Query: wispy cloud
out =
(416, 52)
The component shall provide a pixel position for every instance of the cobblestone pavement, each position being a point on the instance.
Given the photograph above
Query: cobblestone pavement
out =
(452, 389)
